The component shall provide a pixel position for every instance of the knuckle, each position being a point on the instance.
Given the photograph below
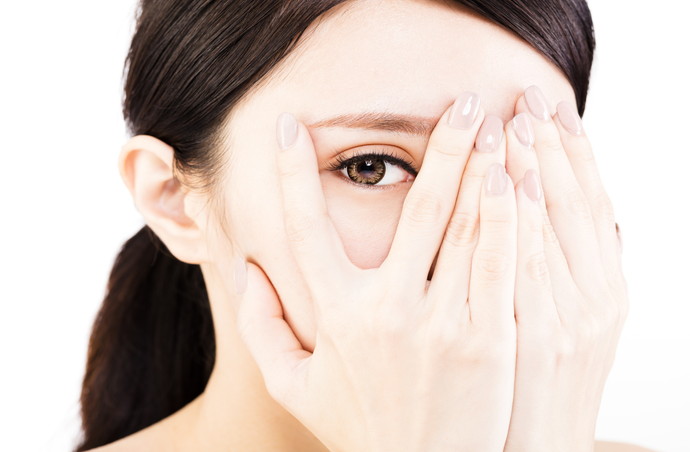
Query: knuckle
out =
(493, 352)
(390, 325)
(299, 230)
(473, 175)
(537, 269)
(548, 232)
(592, 330)
(576, 203)
(604, 207)
(462, 230)
(564, 348)
(445, 152)
(289, 169)
(533, 226)
(587, 334)
(444, 339)
(498, 227)
(550, 142)
(492, 265)
(422, 208)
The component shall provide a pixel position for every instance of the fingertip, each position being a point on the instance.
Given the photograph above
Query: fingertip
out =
(568, 119)
(287, 130)
(463, 113)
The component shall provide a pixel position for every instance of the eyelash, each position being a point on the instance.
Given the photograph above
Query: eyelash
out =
(342, 162)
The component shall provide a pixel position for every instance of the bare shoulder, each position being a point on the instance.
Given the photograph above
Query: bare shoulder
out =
(606, 446)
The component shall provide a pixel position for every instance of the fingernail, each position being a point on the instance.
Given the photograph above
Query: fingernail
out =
(464, 111)
(286, 130)
(570, 118)
(523, 130)
(531, 186)
(490, 134)
(240, 275)
(536, 102)
(496, 179)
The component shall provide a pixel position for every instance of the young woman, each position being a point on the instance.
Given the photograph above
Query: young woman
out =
(334, 256)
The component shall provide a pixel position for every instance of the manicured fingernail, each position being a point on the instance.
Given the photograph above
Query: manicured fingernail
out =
(570, 118)
(490, 134)
(286, 130)
(240, 275)
(464, 111)
(531, 185)
(496, 179)
(523, 129)
(536, 102)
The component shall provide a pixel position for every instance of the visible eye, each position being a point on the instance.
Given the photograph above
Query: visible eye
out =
(375, 168)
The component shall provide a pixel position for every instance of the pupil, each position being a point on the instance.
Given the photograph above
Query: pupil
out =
(367, 171)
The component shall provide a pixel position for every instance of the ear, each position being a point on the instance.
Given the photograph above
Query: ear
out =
(171, 211)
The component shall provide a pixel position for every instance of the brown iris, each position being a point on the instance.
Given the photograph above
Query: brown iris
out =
(368, 171)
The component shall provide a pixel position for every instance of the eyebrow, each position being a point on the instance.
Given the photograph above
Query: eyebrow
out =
(386, 121)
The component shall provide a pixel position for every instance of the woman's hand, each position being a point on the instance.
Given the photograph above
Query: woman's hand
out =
(397, 365)
(570, 294)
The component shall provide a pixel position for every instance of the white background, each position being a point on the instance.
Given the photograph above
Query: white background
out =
(65, 211)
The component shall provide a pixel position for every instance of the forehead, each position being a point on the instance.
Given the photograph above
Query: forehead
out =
(411, 56)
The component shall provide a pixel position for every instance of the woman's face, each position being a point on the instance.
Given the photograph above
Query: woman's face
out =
(408, 59)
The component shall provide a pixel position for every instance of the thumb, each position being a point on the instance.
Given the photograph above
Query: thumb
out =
(269, 338)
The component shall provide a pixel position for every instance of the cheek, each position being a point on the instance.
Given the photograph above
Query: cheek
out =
(366, 220)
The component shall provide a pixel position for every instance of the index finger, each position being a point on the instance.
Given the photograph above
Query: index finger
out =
(429, 202)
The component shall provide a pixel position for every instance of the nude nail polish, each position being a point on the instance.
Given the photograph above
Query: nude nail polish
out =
(531, 186)
(464, 111)
(570, 118)
(286, 130)
(496, 179)
(523, 129)
(490, 134)
(536, 103)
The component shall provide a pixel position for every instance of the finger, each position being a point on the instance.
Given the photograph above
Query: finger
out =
(581, 157)
(520, 158)
(566, 203)
(310, 232)
(270, 340)
(449, 286)
(430, 200)
(492, 276)
(534, 302)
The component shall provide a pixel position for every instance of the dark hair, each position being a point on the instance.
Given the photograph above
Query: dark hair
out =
(152, 346)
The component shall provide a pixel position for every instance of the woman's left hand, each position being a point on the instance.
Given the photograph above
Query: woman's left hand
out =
(570, 295)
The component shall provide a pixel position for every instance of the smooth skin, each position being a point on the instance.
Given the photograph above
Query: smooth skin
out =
(367, 56)
(435, 340)
(563, 340)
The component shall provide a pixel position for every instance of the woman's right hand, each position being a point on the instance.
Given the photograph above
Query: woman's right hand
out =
(400, 363)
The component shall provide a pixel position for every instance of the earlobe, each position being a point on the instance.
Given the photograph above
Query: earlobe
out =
(146, 166)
